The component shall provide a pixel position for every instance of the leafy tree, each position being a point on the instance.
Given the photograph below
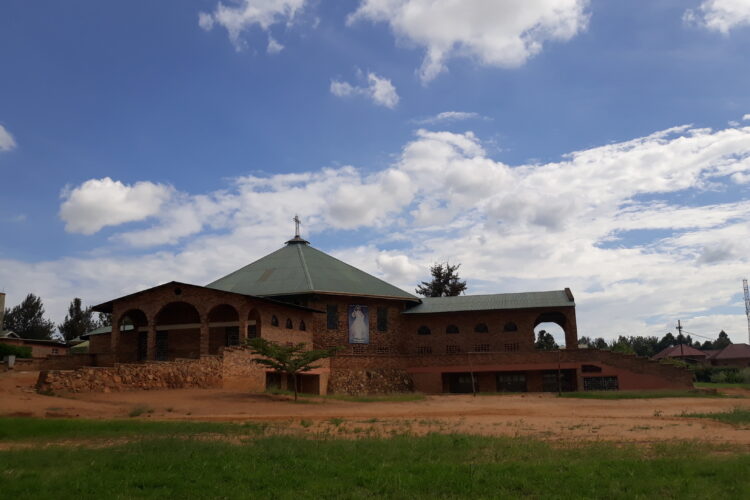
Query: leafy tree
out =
(27, 319)
(545, 341)
(722, 341)
(445, 282)
(103, 319)
(292, 360)
(666, 341)
(707, 345)
(623, 345)
(78, 321)
(599, 343)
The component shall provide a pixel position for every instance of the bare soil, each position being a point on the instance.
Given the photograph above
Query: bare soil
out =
(535, 415)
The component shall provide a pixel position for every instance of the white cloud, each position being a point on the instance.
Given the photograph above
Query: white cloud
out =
(620, 224)
(504, 33)
(720, 15)
(248, 13)
(746, 117)
(273, 47)
(7, 142)
(380, 90)
(103, 202)
(450, 116)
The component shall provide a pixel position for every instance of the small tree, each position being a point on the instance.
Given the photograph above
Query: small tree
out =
(78, 321)
(27, 319)
(293, 359)
(722, 341)
(445, 282)
(545, 341)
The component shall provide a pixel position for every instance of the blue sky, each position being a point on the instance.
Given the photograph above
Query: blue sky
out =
(598, 145)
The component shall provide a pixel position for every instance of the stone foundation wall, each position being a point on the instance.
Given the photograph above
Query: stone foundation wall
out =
(375, 381)
(180, 374)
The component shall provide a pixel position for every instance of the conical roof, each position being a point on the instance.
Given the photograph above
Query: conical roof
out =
(298, 268)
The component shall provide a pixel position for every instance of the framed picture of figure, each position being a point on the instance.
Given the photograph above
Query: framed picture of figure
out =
(359, 325)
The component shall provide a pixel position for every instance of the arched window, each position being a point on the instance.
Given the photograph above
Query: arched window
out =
(451, 329)
(302, 326)
(289, 324)
(481, 328)
(510, 327)
(274, 321)
(423, 330)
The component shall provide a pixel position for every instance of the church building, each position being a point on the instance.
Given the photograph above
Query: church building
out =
(390, 340)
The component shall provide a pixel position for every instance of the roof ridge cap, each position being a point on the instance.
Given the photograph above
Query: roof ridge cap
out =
(304, 267)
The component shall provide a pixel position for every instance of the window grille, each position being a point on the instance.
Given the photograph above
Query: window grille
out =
(424, 349)
(452, 349)
(511, 347)
(481, 348)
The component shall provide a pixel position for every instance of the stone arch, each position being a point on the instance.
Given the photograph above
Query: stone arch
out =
(223, 327)
(553, 322)
(178, 331)
(133, 341)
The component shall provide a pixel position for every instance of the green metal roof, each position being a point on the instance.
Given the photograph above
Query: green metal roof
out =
(298, 268)
(526, 300)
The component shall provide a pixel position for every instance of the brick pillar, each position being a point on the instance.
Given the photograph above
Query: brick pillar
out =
(204, 336)
(114, 338)
(571, 331)
(151, 342)
(243, 331)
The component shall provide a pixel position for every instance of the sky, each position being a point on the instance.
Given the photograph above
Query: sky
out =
(597, 145)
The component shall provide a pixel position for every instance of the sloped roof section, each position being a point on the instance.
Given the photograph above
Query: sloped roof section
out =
(679, 351)
(526, 300)
(298, 268)
(734, 351)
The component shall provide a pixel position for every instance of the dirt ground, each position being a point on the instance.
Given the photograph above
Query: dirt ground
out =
(535, 415)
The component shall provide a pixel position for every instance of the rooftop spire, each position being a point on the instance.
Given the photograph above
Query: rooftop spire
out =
(297, 238)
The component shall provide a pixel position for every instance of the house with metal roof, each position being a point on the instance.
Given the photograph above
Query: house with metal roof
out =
(387, 338)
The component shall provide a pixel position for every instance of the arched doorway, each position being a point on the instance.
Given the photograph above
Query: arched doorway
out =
(177, 331)
(223, 328)
(133, 341)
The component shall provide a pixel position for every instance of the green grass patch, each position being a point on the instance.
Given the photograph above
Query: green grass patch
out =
(33, 429)
(736, 416)
(724, 385)
(434, 466)
(641, 394)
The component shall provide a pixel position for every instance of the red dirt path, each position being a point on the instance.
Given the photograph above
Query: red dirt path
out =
(540, 415)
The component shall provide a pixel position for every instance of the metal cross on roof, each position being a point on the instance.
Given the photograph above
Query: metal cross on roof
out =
(297, 222)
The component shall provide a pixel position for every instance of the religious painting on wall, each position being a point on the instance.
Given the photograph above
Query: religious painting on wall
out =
(359, 325)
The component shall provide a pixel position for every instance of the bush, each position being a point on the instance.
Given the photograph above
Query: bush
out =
(13, 350)
(745, 376)
(719, 377)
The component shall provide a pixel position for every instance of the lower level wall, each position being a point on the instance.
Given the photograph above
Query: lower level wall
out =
(200, 373)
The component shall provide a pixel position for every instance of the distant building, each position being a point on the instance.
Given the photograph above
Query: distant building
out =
(682, 352)
(732, 355)
(39, 348)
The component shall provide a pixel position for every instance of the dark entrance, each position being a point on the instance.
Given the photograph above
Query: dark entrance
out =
(232, 334)
(567, 381)
(142, 346)
(162, 346)
(511, 382)
(458, 383)
(273, 381)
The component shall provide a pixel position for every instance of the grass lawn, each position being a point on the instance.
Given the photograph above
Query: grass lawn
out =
(640, 394)
(736, 416)
(434, 466)
(712, 385)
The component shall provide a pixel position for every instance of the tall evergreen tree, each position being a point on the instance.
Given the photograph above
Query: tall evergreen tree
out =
(545, 341)
(722, 341)
(78, 321)
(103, 319)
(445, 282)
(28, 321)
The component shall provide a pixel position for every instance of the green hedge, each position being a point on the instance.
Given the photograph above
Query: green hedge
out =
(722, 374)
(18, 351)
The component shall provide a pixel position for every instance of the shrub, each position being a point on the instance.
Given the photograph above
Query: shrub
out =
(13, 350)
(719, 377)
(745, 376)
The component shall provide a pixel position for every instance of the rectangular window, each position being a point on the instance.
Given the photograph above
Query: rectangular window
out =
(383, 350)
(452, 349)
(424, 349)
(382, 319)
(600, 384)
(481, 348)
(511, 347)
(332, 317)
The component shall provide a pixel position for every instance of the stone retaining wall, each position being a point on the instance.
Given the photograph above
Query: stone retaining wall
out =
(179, 374)
(376, 381)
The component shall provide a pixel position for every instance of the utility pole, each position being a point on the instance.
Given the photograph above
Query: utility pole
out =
(747, 308)
(679, 331)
